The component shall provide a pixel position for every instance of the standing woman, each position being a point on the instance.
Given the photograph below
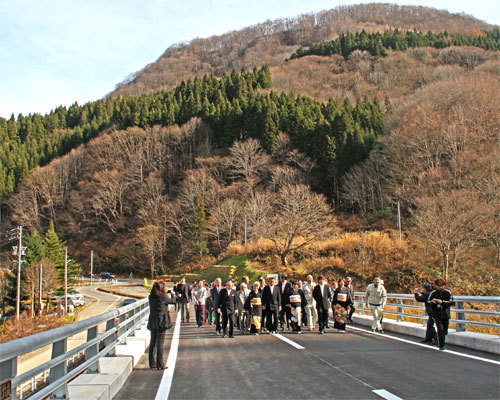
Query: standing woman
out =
(253, 307)
(158, 323)
(341, 301)
(199, 296)
(297, 301)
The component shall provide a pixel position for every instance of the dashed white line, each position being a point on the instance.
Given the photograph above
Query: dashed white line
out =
(290, 342)
(168, 374)
(386, 395)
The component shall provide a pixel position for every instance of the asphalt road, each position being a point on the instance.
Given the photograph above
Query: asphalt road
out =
(355, 365)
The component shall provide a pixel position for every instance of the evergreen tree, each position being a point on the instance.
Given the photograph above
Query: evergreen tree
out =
(35, 248)
(54, 250)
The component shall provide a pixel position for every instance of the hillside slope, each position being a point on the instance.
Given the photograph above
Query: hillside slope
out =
(272, 42)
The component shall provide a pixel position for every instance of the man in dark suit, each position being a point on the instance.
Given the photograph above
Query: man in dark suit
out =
(322, 294)
(183, 291)
(285, 290)
(228, 308)
(271, 305)
(215, 294)
(352, 309)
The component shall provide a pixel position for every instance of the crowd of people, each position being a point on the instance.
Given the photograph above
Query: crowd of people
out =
(267, 305)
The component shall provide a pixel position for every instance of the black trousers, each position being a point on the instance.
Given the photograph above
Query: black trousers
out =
(285, 316)
(442, 329)
(322, 318)
(430, 332)
(272, 320)
(156, 349)
(217, 321)
(227, 318)
(352, 310)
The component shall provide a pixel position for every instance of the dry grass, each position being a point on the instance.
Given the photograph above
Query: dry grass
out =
(16, 329)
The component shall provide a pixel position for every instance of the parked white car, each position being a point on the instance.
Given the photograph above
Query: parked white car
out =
(75, 300)
(79, 296)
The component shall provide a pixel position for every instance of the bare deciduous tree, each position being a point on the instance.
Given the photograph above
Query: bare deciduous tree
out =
(224, 221)
(296, 218)
(448, 220)
(248, 160)
(108, 198)
(150, 237)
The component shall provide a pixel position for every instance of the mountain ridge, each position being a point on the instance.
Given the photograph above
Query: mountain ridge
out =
(251, 46)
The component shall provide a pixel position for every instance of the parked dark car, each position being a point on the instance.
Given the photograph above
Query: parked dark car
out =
(126, 302)
(107, 275)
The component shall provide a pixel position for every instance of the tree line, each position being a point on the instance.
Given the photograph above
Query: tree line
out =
(377, 43)
(45, 261)
(238, 106)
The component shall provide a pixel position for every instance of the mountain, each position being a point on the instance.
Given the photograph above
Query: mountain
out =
(272, 42)
(160, 174)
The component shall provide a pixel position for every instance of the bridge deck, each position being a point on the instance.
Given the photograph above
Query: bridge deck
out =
(346, 366)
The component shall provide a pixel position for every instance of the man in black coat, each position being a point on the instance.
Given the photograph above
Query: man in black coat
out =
(422, 295)
(271, 305)
(322, 294)
(215, 294)
(228, 308)
(441, 301)
(183, 291)
(285, 290)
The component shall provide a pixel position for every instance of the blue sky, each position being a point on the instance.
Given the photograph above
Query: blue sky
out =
(55, 52)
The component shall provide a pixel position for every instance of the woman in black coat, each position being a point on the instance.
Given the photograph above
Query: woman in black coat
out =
(158, 323)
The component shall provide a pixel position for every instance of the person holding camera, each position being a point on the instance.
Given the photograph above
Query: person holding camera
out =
(422, 295)
(441, 301)
(158, 323)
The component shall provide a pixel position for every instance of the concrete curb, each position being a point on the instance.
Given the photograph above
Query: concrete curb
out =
(471, 340)
(114, 370)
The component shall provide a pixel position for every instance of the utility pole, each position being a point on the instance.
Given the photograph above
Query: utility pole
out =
(91, 267)
(20, 252)
(65, 280)
(245, 230)
(41, 287)
(399, 220)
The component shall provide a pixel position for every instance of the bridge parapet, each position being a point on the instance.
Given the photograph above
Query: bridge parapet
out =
(119, 324)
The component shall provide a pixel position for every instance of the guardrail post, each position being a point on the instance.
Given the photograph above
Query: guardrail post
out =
(361, 305)
(110, 324)
(460, 326)
(8, 370)
(131, 316)
(401, 310)
(92, 350)
(58, 371)
(122, 329)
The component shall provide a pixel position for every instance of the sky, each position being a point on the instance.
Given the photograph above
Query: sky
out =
(56, 52)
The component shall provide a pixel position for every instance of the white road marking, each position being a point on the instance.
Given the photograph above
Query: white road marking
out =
(290, 342)
(386, 395)
(168, 374)
(426, 346)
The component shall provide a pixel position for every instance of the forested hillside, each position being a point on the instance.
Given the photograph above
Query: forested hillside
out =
(311, 129)
(272, 42)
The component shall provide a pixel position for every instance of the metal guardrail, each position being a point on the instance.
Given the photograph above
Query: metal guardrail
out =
(460, 312)
(120, 323)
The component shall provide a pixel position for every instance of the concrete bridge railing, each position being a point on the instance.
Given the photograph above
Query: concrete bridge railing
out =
(118, 325)
(469, 315)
